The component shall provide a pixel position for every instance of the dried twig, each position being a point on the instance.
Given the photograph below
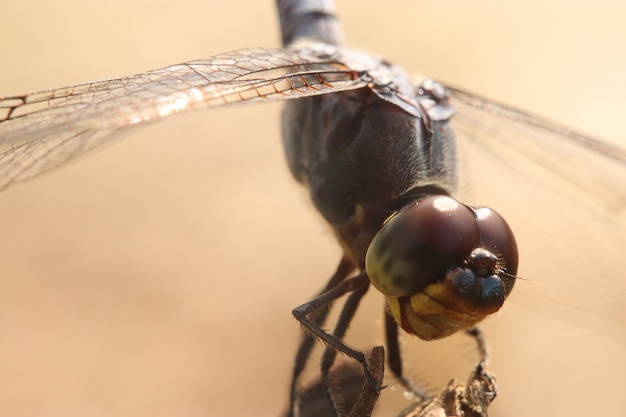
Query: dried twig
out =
(457, 399)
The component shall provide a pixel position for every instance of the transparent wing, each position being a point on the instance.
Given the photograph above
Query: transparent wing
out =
(41, 131)
(564, 195)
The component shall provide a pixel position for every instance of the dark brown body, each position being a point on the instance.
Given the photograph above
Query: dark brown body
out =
(361, 157)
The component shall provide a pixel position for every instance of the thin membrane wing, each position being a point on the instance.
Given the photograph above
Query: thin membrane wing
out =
(44, 130)
(564, 194)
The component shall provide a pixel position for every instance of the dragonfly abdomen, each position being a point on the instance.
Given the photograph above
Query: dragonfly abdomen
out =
(313, 19)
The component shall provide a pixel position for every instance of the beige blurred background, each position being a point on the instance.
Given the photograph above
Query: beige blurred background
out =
(157, 277)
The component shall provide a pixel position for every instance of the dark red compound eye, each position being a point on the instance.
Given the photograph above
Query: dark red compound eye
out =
(420, 243)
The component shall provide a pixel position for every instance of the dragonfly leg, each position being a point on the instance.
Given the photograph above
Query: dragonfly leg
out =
(479, 336)
(394, 359)
(346, 316)
(302, 313)
(483, 378)
(306, 344)
(359, 396)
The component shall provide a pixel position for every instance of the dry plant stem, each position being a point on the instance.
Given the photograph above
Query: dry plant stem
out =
(459, 399)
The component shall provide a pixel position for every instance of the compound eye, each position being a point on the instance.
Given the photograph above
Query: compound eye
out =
(497, 237)
(416, 247)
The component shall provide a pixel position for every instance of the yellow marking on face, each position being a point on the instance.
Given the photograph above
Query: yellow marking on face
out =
(430, 314)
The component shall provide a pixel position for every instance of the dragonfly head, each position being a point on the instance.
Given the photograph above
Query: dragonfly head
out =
(443, 266)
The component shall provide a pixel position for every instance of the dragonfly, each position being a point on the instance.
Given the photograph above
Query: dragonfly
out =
(524, 274)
